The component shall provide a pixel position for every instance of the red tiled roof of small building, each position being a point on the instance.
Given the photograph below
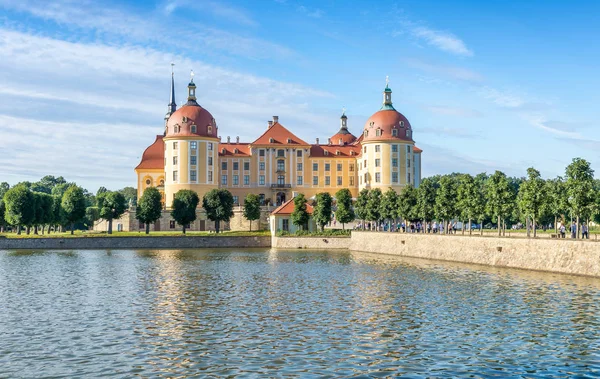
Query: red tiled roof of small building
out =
(332, 150)
(417, 150)
(154, 156)
(288, 207)
(229, 149)
(279, 135)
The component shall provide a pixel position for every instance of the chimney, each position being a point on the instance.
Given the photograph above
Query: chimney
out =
(228, 139)
(270, 123)
(237, 139)
(329, 141)
(275, 119)
(317, 141)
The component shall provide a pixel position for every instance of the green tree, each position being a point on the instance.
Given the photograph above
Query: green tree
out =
(149, 208)
(446, 200)
(218, 205)
(47, 183)
(300, 215)
(44, 212)
(360, 207)
(344, 212)
(500, 197)
(479, 200)
(112, 205)
(92, 214)
(557, 199)
(373, 210)
(73, 205)
(532, 196)
(580, 188)
(322, 209)
(470, 199)
(251, 208)
(58, 216)
(60, 189)
(389, 206)
(408, 208)
(3, 188)
(19, 203)
(2, 212)
(130, 195)
(426, 199)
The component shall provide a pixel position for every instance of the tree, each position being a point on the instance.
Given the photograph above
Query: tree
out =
(389, 206)
(532, 196)
(149, 208)
(73, 205)
(426, 199)
(344, 212)
(579, 185)
(445, 202)
(470, 199)
(407, 204)
(360, 207)
(3, 188)
(19, 203)
(2, 212)
(60, 189)
(218, 205)
(322, 209)
(112, 205)
(130, 195)
(92, 214)
(373, 202)
(300, 215)
(479, 200)
(251, 208)
(500, 197)
(47, 183)
(44, 215)
(58, 216)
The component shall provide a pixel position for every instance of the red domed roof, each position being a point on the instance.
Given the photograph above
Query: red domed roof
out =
(187, 116)
(344, 136)
(154, 156)
(392, 125)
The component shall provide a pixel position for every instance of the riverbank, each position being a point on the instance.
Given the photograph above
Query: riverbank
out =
(577, 257)
(136, 242)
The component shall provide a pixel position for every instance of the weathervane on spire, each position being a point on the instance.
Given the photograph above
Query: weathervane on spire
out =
(387, 81)
(343, 111)
(192, 75)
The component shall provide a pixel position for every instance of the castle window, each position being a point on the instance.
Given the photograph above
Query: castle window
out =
(339, 180)
(261, 153)
(339, 167)
(402, 124)
(394, 162)
(224, 180)
(223, 151)
(289, 140)
(377, 148)
(408, 163)
(299, 153)
(185, 119)
(210, 176)
(395, 132)
(174, 160)
(351, 167)
(327, 167)
(271, 140)
(261, 180)
(236, 200)
(366, 133)
(408, 148)
(315, 180)
(351, 181)
(193, 160)
(394, 148)
(193, 145)
(236, 180)
(315, 167)
(174, 145)
(281, 153)
(261, 166)
(175, 176)
(246, 180)
(236, 151)
(377, 162)
(209, 161)
(236, 166)
(280, 165)
(246, 166)
(378, 132)
(408, 178)
(299, 167)
(365, 149)
(337, 152)
(280, 180)
(377, 177)
(193, 128)
(210, 146)
(193, 177)
(299, 180)
(328, 180)
(224, 166)
(408, 133)
(394, 177)
(326, 152)
(352, 152)
(209, 129)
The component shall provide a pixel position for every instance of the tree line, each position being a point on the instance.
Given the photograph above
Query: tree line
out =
(483, 198)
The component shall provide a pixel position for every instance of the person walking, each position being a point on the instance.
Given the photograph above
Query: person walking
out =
(563, 230)
(573, 230)
(584, 231)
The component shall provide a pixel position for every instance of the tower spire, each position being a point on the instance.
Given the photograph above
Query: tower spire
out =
(343, 120)
(387, 96)
(172, 104)
(192, 90)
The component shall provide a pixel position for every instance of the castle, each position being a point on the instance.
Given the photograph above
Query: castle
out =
(191, 155)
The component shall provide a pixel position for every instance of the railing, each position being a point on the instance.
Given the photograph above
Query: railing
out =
(281, 186)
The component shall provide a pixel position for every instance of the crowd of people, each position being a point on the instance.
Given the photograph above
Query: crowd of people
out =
(413, 227)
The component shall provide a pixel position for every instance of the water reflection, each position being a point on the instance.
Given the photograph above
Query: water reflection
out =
(189, 313)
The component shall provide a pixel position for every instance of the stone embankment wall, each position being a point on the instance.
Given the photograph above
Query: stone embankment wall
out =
(178, 242)
(580, 257)
(325, 243)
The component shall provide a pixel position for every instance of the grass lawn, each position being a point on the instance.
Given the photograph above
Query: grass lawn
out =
(91, 234)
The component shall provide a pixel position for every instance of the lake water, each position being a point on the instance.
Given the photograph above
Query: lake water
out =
(267, 313)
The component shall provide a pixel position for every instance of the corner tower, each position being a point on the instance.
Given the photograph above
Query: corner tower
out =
(191, 149)
(388, 151)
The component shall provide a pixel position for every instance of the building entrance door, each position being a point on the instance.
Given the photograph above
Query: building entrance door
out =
(202, 225)
(157, 226)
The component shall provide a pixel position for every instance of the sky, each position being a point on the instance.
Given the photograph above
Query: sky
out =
(495, 85)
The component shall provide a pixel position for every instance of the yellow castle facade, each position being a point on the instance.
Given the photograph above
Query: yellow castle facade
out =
(190, 154)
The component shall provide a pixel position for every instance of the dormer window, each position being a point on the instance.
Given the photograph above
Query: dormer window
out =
(341, 141)
(337, 152)
(366, 133)
(289, 140)
(352, 152)
(326, 152)
(185, 119)
(408, 133)
(271, 140)
(223, 151)
(402, 124)
(395, 132)
(209, 129)
(235, 151)
(194, 128)
(377, 132)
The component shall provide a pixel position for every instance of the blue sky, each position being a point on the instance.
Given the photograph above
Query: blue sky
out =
(486, 85)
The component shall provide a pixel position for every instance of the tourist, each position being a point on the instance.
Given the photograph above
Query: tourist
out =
(584, 231)
(563, 230)
(435, 227)
(573, 230)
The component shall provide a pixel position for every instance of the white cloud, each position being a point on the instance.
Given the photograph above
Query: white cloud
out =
(447, 71)
(505, 99)
(444, 41)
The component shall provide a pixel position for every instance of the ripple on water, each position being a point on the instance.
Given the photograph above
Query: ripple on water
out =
(255, 313)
